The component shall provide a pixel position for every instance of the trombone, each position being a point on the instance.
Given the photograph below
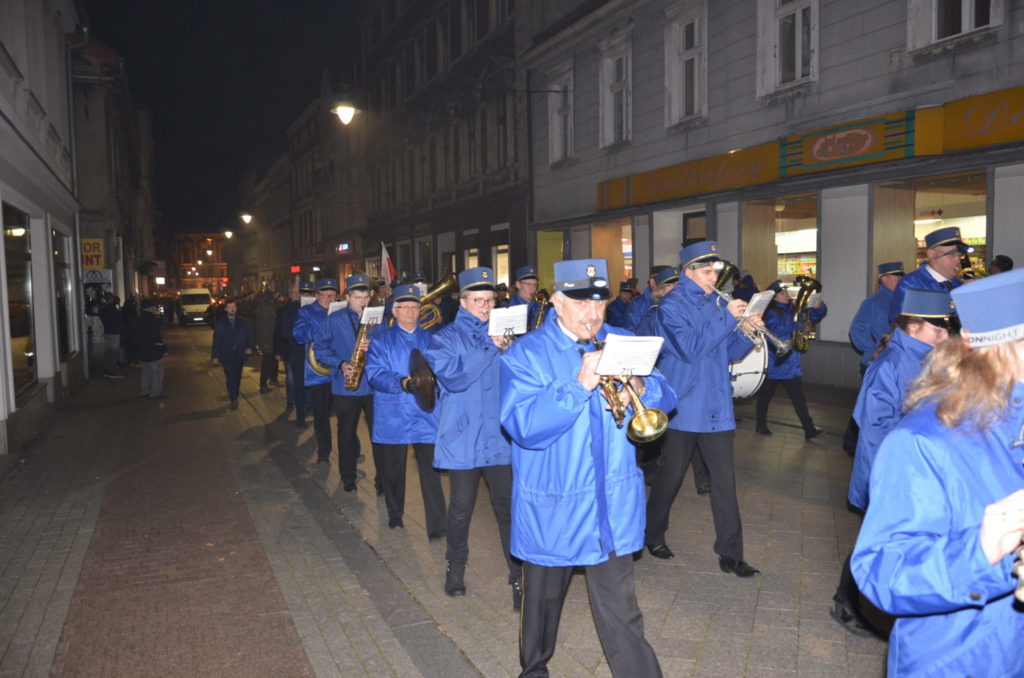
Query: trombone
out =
(753, 332)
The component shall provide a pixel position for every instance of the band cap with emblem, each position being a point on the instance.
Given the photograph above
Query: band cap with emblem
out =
(407, 293)
(327, 285)
(891, 268)
(526, 273)
(935, 306)
(357, 281)
(705, 251)
(306, 286)
(669, 274)
(950, 235)
(991, 310)
(626, 286)
(582, 279)
(479, 278)
(417, 277)
(777, 286)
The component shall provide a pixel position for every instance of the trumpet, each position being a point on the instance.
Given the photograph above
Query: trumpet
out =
(544, 299)
(753, 332)
(647, 423)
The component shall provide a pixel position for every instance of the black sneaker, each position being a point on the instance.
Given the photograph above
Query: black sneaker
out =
(850, 618)
(517, 594)
(453, 578)
(814, 433)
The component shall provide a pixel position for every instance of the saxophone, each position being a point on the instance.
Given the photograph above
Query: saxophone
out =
(545, 300)
(357, 359)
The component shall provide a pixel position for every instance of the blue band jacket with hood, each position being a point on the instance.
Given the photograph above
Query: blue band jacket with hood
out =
(333, 344)
(781, 325)
(577, 493)
(880, 404)
(921, 279)
(870, 324)
(307, 321)
(637, 308)
(617, 313)
(919, 555)
(467, 366)
(397, 419)
(700, 341)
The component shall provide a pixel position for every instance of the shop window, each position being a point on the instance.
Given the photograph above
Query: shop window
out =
(685, 62)
(787, 44)
(933, 21)
(471, 257)
(615, 82)
(499, 255)
(560, 114)
(779, 238)
(62, 292)
(613, 242)
(18, 254)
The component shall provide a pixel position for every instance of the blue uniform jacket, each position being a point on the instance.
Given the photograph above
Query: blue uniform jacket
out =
(648, 325)
(466, 364)
(782, 326)
(531, 311)
(577, 493)
(880, 404)
(920, 279)
(638, 307)
(333, 343)
(918, 555)
(618, 313)
(307, 321)
(700, 341)
(397, 419)
(871, 323)
(229, 343)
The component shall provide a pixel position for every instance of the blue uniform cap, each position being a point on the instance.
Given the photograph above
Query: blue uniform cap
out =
(625, 286)
(927, 304)
(669, 274)
(891, 268)
(526, 272)
(306, 286)
(777, 286)
(327, 284)
(991, 309)
(357, 281)
(406, 293)
(950, 235)
(582, 278)
(479, 278)
(705, 250)
(418, 277)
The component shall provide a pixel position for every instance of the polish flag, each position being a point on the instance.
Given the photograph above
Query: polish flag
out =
(387, 269)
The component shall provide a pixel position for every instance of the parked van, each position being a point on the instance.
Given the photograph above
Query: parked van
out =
(194, 304)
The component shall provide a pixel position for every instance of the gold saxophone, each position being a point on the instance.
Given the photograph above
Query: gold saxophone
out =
(357, 359)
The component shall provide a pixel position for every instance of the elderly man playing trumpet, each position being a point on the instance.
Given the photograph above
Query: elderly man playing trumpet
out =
(578, 496)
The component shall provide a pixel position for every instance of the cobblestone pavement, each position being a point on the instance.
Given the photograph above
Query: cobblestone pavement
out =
(177, 537)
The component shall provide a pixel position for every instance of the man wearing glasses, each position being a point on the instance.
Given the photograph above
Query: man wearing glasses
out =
(470, 442)
(939, 272)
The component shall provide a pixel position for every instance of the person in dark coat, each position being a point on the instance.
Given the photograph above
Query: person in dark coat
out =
(145, 335)
(264, 321)
(283, 322)
(113, 328)
(232, 345)
(130, 315)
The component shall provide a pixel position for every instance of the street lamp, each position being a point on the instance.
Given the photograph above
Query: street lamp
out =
(228, 234)
(209, 253)
(199, 261)
(246, 217)
(345, 111)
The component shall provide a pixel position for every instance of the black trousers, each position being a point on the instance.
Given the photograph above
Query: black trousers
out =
(233, 376)
(852, 434)
(268, 367)
(393, 460)
(620, 625)
(347, 409)
(462, 486)
(320, 400)
(716, 449)
(795, 390)
(297, 363)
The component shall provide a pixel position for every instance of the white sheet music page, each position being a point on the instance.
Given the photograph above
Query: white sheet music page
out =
(306, 301)
(336, 306)
(513, 317)
(758, 303)
(634, 356)
(372, 315)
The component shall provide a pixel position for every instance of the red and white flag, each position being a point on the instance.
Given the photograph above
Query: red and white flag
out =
(387, 269)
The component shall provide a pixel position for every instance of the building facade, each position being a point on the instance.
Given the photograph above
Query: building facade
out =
(806, 136)
(197, 260)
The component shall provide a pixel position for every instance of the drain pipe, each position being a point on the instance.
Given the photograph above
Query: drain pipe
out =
(85, 333)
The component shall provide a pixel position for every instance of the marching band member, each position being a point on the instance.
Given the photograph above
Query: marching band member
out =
(308, 320)
(787, 370)
(293, 352)
(947, 508)
(399, 421)
(618, 310)
(334, 346)
(938, 273)
(526, 291)
(926, 319)
(638, 307)
(700, 341)
(470, 442)
(578, 495)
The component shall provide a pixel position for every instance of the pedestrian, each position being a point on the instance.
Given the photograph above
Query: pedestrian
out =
(318, 385)
(938, 272)
(1000, 264)
(786, 369)
(470, 443)
(264, 320)
(232, 346)
(151, 351)
(113, 328)
(130, 337)
(936, 548)
(285, 346)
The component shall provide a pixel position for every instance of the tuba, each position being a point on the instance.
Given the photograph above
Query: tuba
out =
(430, 314)
(315, 364)
(544, 299)
(753, 332)
(805, 332)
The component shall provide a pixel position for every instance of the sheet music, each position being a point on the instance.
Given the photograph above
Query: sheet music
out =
(513, 317)
(306, 301)
(814, 300)
(372, 315)
(633, 356)
(336, 306)
(758, 303)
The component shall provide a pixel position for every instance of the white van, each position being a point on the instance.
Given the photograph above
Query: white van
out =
(194, 303)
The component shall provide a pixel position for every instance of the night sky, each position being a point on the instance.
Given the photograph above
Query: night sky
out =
(223, 79)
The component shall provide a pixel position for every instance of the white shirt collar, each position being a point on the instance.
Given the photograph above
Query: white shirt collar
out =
(935, 274)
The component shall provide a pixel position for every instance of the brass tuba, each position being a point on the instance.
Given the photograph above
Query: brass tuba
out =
(430, 314)
(805, 332)
(314, 364)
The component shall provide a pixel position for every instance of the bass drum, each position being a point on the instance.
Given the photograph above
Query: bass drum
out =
(748, 374)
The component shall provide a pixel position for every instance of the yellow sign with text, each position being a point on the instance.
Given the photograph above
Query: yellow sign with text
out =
(984, 120)
(92, 254)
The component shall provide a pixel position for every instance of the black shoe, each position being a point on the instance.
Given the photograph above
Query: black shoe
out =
(234, 405)
(850, 618)
(740, 568)
(350, 486)
(704, 488)
(379, 486)
(453, 579)
(435, 536)
(660, 551)
(361, 458)
(323, 460)
(763, 430)
(395, 523)
(300, 423)
(517, 594)
(288, 408)
(264, 389)
(814, 433)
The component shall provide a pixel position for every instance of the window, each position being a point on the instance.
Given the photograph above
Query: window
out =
(471, 26)
(484, 138)
(502, 125)
(62, 292)
(615, 82)
(685, 59)
(471, 146)
(787, 44)
(455, 30)
(932, 21)
(430, 52)
(560, 114)
(18, 253)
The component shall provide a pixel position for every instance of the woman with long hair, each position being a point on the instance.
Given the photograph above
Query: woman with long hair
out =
(947, 504)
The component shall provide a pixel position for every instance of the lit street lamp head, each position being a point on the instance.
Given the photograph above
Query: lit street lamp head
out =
(246, 217)
(228, 234)
(345, 111)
